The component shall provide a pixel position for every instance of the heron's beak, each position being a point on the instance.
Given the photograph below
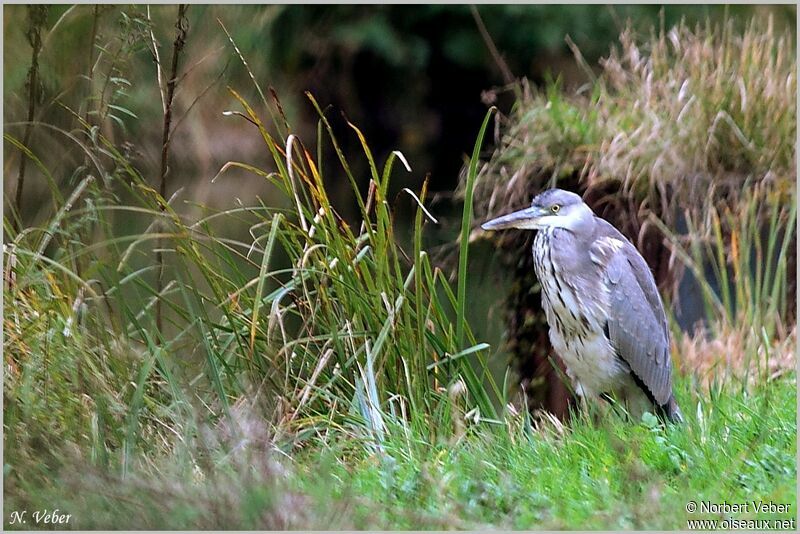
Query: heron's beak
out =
(526, 219)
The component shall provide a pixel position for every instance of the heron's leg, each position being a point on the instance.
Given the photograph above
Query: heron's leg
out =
(579, 410)
(586, 407)
(636, 402)
(606, 405)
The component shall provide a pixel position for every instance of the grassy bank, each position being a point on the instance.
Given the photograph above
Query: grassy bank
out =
(736, 447)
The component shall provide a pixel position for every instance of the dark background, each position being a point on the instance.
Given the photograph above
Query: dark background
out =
(414, 78)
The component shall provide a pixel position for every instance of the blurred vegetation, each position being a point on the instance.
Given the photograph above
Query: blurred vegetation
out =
(412, 76)
(304, 360)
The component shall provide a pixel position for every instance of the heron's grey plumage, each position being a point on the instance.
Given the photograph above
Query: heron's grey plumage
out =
(606, 318)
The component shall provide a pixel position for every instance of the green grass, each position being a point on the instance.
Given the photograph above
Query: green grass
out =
(613, 475)
(606, 474)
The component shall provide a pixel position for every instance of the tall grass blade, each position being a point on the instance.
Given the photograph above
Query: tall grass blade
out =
(466, 225)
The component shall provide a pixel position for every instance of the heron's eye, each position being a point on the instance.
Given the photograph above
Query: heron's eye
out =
(554, 208)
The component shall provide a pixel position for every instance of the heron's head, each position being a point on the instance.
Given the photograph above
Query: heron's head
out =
(553, 208)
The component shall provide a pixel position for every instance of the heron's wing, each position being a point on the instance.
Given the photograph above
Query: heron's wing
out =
(637, 325)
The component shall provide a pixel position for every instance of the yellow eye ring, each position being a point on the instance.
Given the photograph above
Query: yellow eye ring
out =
(554, 208)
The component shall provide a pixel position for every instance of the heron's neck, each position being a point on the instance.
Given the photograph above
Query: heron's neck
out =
(581, 230)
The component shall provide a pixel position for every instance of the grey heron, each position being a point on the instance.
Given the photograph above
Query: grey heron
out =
(606, 318)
